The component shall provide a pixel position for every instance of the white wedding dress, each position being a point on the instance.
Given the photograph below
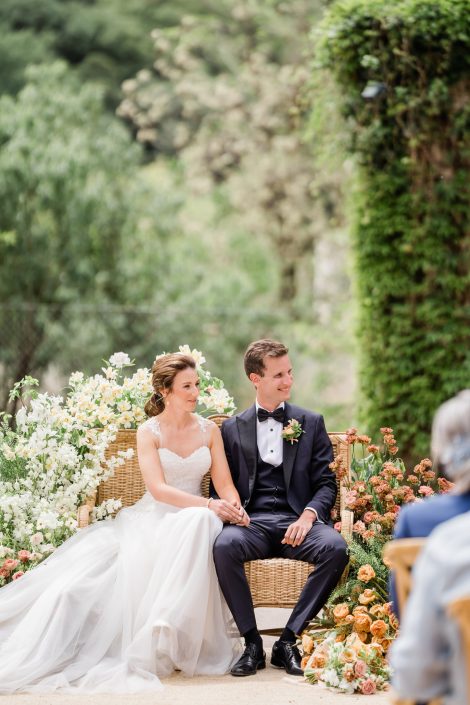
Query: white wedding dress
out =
(123, 601)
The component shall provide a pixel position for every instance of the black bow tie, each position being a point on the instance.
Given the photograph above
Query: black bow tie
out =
(277, 414)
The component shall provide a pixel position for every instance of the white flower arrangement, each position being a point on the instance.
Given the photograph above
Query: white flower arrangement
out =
(56, 456)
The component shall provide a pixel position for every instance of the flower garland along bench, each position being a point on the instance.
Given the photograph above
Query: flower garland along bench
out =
(274, 582)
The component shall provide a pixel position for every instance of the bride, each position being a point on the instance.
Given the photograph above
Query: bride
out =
(127, 600)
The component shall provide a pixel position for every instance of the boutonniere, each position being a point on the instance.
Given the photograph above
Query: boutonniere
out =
(292, 431)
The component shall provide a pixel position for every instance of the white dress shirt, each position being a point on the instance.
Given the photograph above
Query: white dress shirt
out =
(269, 438)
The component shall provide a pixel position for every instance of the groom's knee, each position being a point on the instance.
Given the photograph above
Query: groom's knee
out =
(228, 546)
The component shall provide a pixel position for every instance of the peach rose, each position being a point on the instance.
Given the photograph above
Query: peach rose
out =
(340, 611)
(378, 628)
(4, 573)
(359, 609)
(362, 636)
(318, 660)
(10, 564)
(304, 662)
(383, 643)
(393, 621)
(24, 555)
(362, 623)
(377, 611)
(348, 656)
(307, 644)
(377, 647)
(340, 637)
(18, 574)
(368, 687)
(365, 573)
(367, 597)
(360, 668)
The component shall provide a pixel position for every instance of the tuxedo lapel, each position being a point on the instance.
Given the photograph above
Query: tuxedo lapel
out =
(246, 423)
(290, 449)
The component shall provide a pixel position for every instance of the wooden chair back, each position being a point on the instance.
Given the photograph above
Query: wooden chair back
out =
(400, 555)
(459, 611)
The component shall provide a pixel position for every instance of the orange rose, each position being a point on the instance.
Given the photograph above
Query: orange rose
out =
(362, 623)
(303, 663)
(377, 611)
(348, 656)
(365, 573)
(318, 660)
(378, 628)
(383, 643)
(340, 611)
(362, 636)
(367, 597)
(307, 644)
(393, 622)
(359, 609)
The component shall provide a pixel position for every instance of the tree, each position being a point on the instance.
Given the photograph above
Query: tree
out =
(403, 72)
(66, 207)
(228, 95)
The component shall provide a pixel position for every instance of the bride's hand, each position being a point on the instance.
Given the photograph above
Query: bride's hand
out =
(226, 511)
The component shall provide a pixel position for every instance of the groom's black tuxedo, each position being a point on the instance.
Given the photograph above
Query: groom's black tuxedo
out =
(307, 476)
(275, 497)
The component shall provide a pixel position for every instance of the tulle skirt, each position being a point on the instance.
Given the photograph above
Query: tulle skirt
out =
(121, 603)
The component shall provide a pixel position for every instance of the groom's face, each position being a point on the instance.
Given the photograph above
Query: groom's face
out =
(275, 384)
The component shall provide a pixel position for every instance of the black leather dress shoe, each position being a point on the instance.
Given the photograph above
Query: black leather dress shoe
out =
(286, 655)
(252, 660)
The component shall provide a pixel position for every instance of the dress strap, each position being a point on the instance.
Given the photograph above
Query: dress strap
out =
(153, 424)
(204, 425)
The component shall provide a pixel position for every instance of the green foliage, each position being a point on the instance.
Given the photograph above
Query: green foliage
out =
(412, 202)
(66, 207)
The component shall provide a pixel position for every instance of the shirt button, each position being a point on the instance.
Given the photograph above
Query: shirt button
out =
(271, 429)
(271, 451)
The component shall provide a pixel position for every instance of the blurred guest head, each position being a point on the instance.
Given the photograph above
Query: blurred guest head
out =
(451, 439)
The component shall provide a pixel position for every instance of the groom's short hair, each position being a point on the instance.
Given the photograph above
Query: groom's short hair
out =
(257, 351)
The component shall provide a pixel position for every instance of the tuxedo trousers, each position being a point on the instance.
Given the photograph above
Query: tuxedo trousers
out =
(323, 546)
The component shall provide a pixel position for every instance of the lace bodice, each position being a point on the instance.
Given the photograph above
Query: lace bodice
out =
(184, 473)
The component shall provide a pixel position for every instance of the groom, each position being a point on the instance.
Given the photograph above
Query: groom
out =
(288, 490)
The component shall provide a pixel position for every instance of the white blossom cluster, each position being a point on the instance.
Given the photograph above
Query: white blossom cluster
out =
(60, 445)
(212, 395)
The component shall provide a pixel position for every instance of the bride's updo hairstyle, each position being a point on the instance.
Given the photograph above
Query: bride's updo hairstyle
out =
(164, 371)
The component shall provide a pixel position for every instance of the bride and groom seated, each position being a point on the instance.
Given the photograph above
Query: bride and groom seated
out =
(156, 589)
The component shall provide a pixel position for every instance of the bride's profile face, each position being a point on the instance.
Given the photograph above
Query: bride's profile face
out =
(184, 392)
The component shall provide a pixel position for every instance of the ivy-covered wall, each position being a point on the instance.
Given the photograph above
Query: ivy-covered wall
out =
(403, 68)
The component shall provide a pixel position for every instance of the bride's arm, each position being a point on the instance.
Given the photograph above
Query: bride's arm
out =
(154, 479)
(221, 476)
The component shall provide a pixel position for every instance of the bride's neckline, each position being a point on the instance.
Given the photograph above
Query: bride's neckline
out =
(183, 457)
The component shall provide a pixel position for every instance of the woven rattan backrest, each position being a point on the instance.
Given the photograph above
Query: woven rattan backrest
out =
(127, 483)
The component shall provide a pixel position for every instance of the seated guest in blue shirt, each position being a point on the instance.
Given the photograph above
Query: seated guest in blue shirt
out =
(451, 427)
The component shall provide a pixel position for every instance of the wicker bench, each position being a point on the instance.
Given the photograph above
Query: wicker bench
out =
(274, 582)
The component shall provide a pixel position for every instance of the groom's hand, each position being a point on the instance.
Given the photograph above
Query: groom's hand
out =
(297, 531)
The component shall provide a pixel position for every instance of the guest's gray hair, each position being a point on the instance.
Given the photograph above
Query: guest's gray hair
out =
(451, 439)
